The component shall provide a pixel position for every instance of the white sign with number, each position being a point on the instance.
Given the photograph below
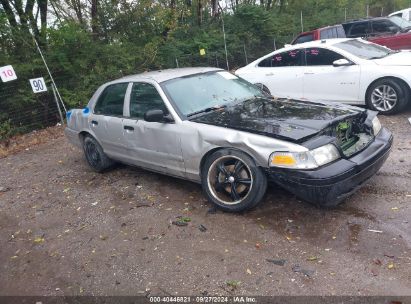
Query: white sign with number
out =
(7, 73)
(38, 85)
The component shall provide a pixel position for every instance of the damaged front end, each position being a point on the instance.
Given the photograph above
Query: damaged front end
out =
(363, 146)
(352, 134)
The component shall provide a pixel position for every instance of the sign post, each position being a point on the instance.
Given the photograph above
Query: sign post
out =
(58, 105)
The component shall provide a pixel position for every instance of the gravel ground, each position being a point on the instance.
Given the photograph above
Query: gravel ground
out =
(66, 230)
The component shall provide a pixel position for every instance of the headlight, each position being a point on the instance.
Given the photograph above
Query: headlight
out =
(305, 160)
(325, 154)
(376, 125)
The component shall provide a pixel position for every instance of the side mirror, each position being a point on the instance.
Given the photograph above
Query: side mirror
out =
(342, 62)
(157, 116)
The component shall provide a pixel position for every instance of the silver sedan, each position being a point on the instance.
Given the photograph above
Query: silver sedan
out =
(210, 126)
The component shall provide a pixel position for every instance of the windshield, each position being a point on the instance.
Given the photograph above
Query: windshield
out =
(194, 93)
(401, 22)
(363, 49)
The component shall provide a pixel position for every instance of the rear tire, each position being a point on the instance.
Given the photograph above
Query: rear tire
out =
(387, 96)
(232, 181)
(95, 156)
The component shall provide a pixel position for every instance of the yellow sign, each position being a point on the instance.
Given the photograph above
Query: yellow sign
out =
(202, 52)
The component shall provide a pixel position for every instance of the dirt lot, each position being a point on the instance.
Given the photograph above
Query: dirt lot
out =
(66, 230)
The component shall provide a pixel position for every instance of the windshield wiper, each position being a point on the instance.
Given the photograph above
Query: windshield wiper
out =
(209, 109)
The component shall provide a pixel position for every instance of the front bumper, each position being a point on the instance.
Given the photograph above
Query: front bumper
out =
(331, 184)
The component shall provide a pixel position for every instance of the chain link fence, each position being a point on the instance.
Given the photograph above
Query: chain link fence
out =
(22, 110)
(234, 59)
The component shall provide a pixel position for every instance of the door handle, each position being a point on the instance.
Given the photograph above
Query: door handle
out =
(94, 122)
(129, 128)
(309, 73)
(269, 74)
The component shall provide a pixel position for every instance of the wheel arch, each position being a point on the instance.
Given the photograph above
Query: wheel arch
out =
(83, 134)
(213, 150)
(400, 80)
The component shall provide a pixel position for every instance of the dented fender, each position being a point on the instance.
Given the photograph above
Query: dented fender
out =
(199, 139)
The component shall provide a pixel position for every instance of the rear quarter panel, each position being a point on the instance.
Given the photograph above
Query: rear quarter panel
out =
(372, 72)
(77, 122)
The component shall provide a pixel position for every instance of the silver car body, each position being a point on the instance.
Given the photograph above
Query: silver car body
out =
(177, 148)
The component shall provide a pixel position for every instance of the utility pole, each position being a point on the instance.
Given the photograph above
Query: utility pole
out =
(245, 54)
(225, 43)
(302, 25)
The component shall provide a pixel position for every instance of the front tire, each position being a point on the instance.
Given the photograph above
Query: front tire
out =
(95, 155)
(388, 96)
(232, 181)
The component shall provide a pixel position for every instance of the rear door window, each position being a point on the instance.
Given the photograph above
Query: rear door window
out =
(359, 29)
(319, 56)
(340, 32)
(332, 32)
(284, 59)
(325, 34)
(111, 100)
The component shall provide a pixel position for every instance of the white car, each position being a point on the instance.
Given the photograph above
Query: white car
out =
(405, 13)
(351, 71)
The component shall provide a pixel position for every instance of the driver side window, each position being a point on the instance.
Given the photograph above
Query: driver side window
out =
(145, 97)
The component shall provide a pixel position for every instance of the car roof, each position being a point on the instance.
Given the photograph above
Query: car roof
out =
(365, 19)
(330, 26)
(167, 74)
(401, 11)
(321, 42)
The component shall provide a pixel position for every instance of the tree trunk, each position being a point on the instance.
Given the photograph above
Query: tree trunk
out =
(77, 9)
(199, 12)
(43, 19)
(9, 13)
(94, 18)
(214, 8)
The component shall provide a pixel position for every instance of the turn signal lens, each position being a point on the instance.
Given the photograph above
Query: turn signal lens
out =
(283, 160)
(293, 160)
(305, 160)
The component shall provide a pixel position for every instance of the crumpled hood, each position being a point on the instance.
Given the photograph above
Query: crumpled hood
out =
(402, 58)
(279, 118)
